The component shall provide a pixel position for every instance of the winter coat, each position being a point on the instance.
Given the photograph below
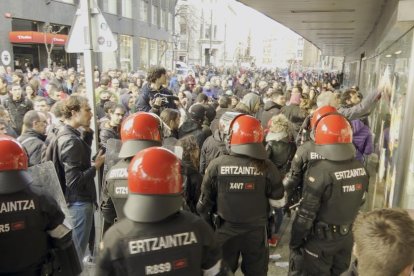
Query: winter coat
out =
(107, 133)
(17, 109)
(280, 150)
(33, 143)
(192, 185)
(213, 147)
(270, 109)
(295, 114)
(146, 95)
(362, 139)
(191, 127)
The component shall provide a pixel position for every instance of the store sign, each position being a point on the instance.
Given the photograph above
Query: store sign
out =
(37, 37)
(5, 58)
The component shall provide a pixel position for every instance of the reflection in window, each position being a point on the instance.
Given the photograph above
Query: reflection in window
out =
(109, 6)
(125, 45)
(153, 52)
(127, 8)
(143, 53)
(143, 10)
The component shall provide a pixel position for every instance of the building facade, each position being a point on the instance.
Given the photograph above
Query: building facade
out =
(142, 29)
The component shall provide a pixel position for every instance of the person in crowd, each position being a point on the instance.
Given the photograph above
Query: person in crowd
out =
(153, 212)
(17, 105)
(36, 227)
(75, 160)
(245, 175)
(5, 117)
(272, 107)
(362, 139)
(293, 111)
(154, 96)
(69, 86)
(3, 127)
(171, 120)
(30, 92)
(223, 107)
(384, 242)
(33, 135)
(192, 178)
(111, 128)
(242, 87)
(250, 104)
(128, 101)
(190, 81)
(139, 131)
(193, 124)
(3, 89)
(335, 188)
(104, 96)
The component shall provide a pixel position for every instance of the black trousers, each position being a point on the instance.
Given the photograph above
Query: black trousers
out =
(327, 257)
(250, 244)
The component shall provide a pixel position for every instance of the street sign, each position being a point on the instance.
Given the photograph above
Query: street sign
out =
(102, 38)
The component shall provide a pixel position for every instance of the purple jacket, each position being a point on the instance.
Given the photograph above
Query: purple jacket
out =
(362, 139)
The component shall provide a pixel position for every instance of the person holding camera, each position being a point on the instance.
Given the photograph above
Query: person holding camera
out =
(154, 97)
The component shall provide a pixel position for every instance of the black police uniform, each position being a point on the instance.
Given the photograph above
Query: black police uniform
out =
(115, 191)
(294, 178)
(238, 189)
(182, 244)
(25, 219)
(332, 196)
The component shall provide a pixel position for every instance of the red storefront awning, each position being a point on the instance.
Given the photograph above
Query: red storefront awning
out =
(37, 37)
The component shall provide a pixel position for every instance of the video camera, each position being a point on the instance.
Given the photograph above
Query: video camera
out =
(165, 98)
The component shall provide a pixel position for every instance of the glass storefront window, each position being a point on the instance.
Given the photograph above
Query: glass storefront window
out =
(153, 52)
(109, 59)
(125, 47)
(143, 10)
(109, 6)
(143, 53)
(387, 122)
(127, 8)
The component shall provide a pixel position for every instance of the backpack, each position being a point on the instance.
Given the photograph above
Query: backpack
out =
(50, 152)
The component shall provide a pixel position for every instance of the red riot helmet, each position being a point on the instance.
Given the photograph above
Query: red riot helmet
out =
(155, 185)
(13, 165)
(140, 131)
(333, 138)
(244, 134)
(320, 112)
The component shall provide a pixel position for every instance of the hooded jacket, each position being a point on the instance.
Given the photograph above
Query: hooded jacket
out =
(362, 139)
(213, 147)
(270, 109)
(191, 127)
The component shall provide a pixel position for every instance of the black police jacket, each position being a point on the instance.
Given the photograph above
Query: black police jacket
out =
(75, 159)
(333, 193)
(115, 191)
(182, 244)
(25, 218)
(33, 142)
(238, 188)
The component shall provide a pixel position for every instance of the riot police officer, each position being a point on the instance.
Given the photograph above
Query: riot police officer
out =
(139, 131)
(155, 236)
(304, 154)
(30, 223)
(334, 190)
(238, 187)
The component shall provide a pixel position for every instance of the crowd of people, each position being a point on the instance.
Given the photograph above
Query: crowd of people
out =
(254, 144)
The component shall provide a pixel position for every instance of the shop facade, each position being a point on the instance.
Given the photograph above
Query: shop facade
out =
(388, 57)
(24, 37)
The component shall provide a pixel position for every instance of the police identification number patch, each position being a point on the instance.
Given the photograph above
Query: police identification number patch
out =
(241, 186)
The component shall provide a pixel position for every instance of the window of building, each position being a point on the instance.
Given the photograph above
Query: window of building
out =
(183, 45)
(109, 59)
(24, 25)
(109, 6)
(153, 52)
(183, 28)
(143, 53)
(170, 22)
(300, 54)
(162, 19)
(67, 1)
(127, 8)
(125, 52)
(162, 50)
(143, 10)
(154, 15)
(215, 32)
(208, 32)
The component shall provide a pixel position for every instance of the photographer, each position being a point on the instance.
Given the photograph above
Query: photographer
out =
(154, 97)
